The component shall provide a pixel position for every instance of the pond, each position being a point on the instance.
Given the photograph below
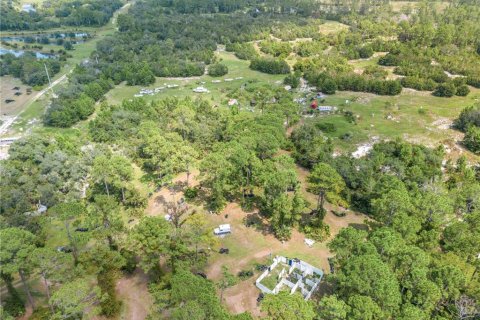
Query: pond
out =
(75, 37)
(18, 53)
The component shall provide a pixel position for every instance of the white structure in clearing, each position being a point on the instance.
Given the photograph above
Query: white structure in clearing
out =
(222, 229)
(200, 90)
(295, 274)
(28, 7)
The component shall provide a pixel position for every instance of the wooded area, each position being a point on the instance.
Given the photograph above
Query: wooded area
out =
(76, 193)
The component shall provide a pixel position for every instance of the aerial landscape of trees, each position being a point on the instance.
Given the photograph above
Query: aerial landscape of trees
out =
(57, 13)
(86, 204)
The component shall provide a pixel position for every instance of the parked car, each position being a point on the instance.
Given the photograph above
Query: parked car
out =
(331, 262)
(262, 267)
(224, 251)
(260, 297)
(64, 249)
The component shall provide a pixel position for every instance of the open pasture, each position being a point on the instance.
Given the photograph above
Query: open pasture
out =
(238, 74)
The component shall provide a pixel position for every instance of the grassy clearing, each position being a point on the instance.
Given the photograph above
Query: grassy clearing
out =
(236, 68)
(411, 115)
(7, 83)
(332, 27)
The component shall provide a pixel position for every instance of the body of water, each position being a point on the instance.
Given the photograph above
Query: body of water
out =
(18, 53)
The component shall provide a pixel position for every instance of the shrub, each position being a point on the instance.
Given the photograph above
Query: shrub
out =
(217, 70)
(474, 81)
(130, 261)
(445, 90)
(68, 45)
(469, 116)
(244, 51)
(365, 52)
(245, 274)
(292, 80)
(318, 233)
(472, 139)
(326, 127)
(418, 83)
(389, 60)
(41, 313)
(190, 193)
(13, 305)
(375, 72)
(462, 90)
(110, 304)
(346, 136)
(329, 86)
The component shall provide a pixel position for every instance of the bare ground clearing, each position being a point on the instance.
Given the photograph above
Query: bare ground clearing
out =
(250, 245)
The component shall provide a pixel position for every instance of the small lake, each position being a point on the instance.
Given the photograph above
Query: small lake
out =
(77, 37)
(18, 53)
(46, 35)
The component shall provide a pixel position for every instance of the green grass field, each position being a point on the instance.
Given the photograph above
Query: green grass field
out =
(332, 27)
(416, 116)
(410, 115)
(236, 68)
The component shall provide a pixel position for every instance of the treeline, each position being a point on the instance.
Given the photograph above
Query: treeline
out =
(269, 65)
(329, 83)
(256, 7)
(28, 68)
(57, 14)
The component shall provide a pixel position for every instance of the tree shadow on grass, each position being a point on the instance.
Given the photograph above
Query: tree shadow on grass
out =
(255, 220)
(359, 226)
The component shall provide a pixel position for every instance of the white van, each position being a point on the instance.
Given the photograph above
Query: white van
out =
(222, 229)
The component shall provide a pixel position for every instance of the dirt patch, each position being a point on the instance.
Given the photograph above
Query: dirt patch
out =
(132, 291)
(254, 244)
(243, 297)
(158, 201)
(7, 92)
(250, 245)
(442, 123)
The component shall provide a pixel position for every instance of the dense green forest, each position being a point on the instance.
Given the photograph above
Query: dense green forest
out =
(76, 217)
(53, 14)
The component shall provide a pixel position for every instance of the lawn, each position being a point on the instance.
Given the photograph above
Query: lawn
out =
(332, 27)
(416, 116)
(271, 280)
(217, 91)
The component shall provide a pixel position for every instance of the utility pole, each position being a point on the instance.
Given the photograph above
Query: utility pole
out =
(48, 76)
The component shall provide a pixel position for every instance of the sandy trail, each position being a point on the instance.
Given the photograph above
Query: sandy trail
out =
(132, 291)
